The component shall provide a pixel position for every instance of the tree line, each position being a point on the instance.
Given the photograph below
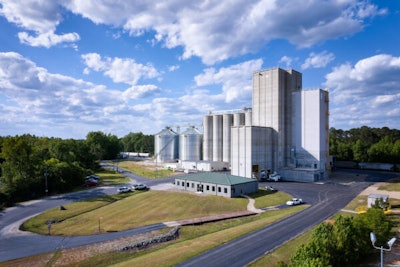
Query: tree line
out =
(31, 166)
(344, 241)
(365, 144)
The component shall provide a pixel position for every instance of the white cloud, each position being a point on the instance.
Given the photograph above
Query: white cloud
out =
(287, 60)
(367, 92)
(318, 60)
(40, 17)
(120, 70)
(42, 103)
(204, 29)
(235, 80)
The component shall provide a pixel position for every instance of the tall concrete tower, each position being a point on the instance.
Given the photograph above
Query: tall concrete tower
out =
(272, 107)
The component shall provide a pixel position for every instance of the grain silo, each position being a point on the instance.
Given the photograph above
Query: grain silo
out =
(190, 145)
(166, 145)
(208, 137)
(238, 119)
(217, 137)
(247, 117)
(227, 121)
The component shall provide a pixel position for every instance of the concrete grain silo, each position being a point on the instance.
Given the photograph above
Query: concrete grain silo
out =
(227, 121)
(190, 145)
(217, 137)
(166, 145)
(208, 137)
(238, 119)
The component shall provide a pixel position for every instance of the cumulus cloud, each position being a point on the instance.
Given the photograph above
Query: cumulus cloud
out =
(204, 28)
(38, 98)
(235, 80)
(318, 60)
(286, 60)
(39, 17)
(366, 92)
(120, 70)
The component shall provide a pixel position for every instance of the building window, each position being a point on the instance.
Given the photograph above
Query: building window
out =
(187, 184)
(177, 182)
(219, 189)
(213, 188)
(208, 188)
(192, 185)
(225, 190)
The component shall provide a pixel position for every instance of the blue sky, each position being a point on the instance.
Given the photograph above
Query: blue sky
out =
(71, 67)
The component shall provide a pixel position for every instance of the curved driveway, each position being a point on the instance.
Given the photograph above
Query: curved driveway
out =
(326, 199)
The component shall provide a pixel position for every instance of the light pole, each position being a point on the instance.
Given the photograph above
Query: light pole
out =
(381, 248)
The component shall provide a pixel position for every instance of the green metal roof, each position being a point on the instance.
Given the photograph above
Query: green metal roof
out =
(216, 178)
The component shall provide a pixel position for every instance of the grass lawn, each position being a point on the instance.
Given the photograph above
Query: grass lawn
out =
(197, 239)
(137, 209)
(392, 185)
(108, 177)
(265, 198)
(143, 170)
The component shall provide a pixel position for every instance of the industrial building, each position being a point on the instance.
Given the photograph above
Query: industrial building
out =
(286, 130)
(217, 184)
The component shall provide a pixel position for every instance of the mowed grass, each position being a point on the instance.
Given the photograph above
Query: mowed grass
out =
(197, 239)
(138, 209)
(392, 185)
(264, 198)
(143, 170)
(108, 177)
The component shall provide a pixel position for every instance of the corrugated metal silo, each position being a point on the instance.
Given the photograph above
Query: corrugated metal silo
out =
(190, 145)
(217, 137)
(166, 145)
(238, 119)
(207, 137)
(227, 120)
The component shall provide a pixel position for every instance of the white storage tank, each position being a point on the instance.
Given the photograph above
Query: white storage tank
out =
(207, 137)
(217, 138)
(248, 119)
(190, 145)
(227, 121)
(238, 119)
(166, 145)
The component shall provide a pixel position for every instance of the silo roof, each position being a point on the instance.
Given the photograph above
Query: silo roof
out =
(216, 178)
(192, 130)
(166, 131)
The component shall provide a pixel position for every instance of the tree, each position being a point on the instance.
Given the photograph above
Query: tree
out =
(103, 146)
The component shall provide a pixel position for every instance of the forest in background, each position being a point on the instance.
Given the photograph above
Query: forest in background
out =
(365, 144)
(26, 160)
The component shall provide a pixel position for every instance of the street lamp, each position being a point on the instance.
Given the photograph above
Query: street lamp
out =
(390, 244)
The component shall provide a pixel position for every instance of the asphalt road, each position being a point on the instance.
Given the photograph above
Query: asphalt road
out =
(325, 200)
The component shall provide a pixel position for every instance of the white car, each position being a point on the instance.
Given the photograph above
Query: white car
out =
(140, 186)
(270, 188)
(294, 201)
(124, 189)
(274, 177)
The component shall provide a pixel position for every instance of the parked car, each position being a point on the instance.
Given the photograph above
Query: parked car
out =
(294, 201)
(270, 188)
(124, 189)
(90, 183)
(274, 177)
(92, 177)
(140, 187)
